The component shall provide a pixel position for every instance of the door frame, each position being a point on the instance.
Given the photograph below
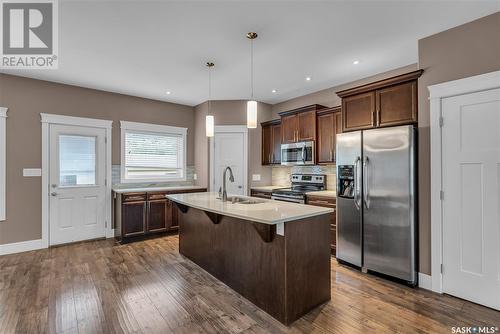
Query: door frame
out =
(438, 92)
(229, 129)
(51, 119)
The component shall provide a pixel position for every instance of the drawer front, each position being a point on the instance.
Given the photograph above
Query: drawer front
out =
(261, 194)
(160, 195)
(328, 202)
(133, 197)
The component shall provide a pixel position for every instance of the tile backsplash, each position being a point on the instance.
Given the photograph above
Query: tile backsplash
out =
(115, 179)
(281, 174)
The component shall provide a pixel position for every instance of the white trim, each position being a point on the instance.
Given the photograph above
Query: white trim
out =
(424, 281)
(437, 93)
(468, 85)
(155, 128)
(152, 127)
(228, 129)
(23, 246)
(3, 159)
(47, 120)
(77, 121)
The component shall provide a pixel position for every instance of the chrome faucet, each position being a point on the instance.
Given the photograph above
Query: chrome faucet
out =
(231, 178)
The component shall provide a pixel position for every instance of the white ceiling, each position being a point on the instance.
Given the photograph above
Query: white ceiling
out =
(144, 48)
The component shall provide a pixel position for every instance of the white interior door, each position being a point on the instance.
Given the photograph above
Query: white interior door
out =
(77, 183)
(471, 206)
(230, 150)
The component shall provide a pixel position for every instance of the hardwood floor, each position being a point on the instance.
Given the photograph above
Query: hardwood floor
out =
(147, 287)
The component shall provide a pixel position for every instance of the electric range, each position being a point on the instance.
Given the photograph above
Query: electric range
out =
(301, 184)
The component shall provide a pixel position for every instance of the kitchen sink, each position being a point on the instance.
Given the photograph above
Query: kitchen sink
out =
(243, 200)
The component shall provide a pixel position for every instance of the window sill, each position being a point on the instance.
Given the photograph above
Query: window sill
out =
(152, 180)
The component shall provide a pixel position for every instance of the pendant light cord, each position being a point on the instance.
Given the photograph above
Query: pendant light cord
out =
(209, 87)
(251, 66)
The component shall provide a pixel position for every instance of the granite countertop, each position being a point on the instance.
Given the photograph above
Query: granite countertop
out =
(267, 211)
(323, 193)
(132, 189)
(267, 188)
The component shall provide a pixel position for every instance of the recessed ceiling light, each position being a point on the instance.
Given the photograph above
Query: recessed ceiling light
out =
(308, 78)
(274, 91)
(169, 92)
(356, 62)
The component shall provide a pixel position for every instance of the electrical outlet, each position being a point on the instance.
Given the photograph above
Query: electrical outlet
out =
(255, 177)
(32, 172)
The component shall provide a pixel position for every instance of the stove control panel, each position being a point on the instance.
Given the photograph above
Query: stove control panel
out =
(308, 178)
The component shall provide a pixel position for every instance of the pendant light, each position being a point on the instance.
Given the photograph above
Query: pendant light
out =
(209, 119)
(252, 104)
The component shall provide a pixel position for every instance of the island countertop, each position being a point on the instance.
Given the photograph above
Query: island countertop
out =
(267, 212)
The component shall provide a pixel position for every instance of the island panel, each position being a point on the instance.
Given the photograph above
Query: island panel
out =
(286, 276)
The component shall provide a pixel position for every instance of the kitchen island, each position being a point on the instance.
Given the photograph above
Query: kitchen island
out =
(275, 254)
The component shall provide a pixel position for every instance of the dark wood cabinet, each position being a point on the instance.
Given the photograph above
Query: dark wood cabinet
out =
(397, 105)
(307, 125)
(159, 215)
(276, 152)
(358, 112)
(142, 214)
(327, 121)
(327, 202)
(134, 218)
(387, 102)
(271, 142)
(267, 141)
(289, 125)
(299, 124)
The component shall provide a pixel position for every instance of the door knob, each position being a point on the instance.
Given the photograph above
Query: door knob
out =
(239, 187)
(53, 194)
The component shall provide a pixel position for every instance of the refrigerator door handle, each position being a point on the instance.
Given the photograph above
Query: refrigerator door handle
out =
(366, 195)
(356, 183)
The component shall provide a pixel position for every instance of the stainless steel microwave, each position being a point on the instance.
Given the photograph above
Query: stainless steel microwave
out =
(301, 153)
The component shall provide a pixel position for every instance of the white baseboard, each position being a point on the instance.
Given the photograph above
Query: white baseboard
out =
(23, 246)
(424, 281)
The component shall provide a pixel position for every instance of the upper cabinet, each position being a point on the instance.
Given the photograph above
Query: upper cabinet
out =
(329, 124)
(271, 142)
(382, 103)
(299, 124)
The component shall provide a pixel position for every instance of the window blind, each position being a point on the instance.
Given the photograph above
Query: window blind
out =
(149, 155)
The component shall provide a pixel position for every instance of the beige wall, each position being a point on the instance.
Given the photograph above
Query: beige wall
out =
(466, 50)
(328, 98)
(26, 99)
(231, 113)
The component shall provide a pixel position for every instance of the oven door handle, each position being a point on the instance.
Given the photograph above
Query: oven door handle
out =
(283, 199)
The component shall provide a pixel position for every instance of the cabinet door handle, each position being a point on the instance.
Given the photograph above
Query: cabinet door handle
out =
(378, 116)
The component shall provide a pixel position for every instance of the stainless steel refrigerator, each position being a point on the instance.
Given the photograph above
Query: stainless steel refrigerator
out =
(376, 201)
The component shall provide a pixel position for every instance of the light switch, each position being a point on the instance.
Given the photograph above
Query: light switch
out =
(195, 177)
(32, 172)
(255, 177)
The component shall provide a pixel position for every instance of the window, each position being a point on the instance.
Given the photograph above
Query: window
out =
(77, 160)
(152, 152)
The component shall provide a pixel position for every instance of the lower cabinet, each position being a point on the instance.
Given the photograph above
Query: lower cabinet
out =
(134, 218)
(142, 214)
(327, 202)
